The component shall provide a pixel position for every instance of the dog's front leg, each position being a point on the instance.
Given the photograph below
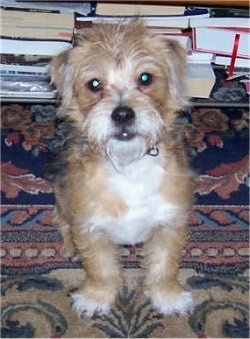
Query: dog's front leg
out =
(162, 255)
(98, 254)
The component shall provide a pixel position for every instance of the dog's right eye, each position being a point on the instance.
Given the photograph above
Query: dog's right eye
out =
(94, 85)
(145, 79)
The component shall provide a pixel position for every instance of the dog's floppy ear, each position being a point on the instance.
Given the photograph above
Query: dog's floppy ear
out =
(178, 56)
(61, 77)
(58, 68)
(62, 72)
(176, 59)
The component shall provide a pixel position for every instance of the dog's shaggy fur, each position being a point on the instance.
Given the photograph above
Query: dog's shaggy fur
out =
(125, 177)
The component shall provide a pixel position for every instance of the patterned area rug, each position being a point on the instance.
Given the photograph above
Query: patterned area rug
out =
(36, 279)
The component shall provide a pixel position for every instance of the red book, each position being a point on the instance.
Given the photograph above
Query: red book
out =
(216, 35)
(221, 41)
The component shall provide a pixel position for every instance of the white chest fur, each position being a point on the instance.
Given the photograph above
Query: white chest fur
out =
(138, 186)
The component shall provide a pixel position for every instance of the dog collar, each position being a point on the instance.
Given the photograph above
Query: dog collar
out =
(153, 151)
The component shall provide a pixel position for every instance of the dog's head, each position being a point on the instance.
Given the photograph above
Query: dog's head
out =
(121, 87)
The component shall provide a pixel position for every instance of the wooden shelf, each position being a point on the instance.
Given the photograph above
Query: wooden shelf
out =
(205, 3)
(236, 3)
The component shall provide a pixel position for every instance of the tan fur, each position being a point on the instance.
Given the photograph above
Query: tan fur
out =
(92, 191)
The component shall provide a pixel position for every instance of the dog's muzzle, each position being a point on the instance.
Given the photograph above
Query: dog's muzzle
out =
(123, 118)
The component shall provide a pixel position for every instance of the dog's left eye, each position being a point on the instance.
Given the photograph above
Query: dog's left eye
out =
(145, 79)
(94, 85)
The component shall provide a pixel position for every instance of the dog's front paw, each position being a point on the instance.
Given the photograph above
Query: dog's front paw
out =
(89, 304)
(170, 302)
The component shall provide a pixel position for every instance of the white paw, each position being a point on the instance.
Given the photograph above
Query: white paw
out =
(83, 305)
(181, 303)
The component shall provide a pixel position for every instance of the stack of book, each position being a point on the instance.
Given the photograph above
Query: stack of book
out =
(33, 32)
(226, 41)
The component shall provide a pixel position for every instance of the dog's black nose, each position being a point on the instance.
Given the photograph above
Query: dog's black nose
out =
(123, 115)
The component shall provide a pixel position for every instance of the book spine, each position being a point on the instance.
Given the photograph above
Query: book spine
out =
(30, 10)
(229, 12)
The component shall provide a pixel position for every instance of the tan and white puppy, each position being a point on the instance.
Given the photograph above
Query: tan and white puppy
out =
(123, 178)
